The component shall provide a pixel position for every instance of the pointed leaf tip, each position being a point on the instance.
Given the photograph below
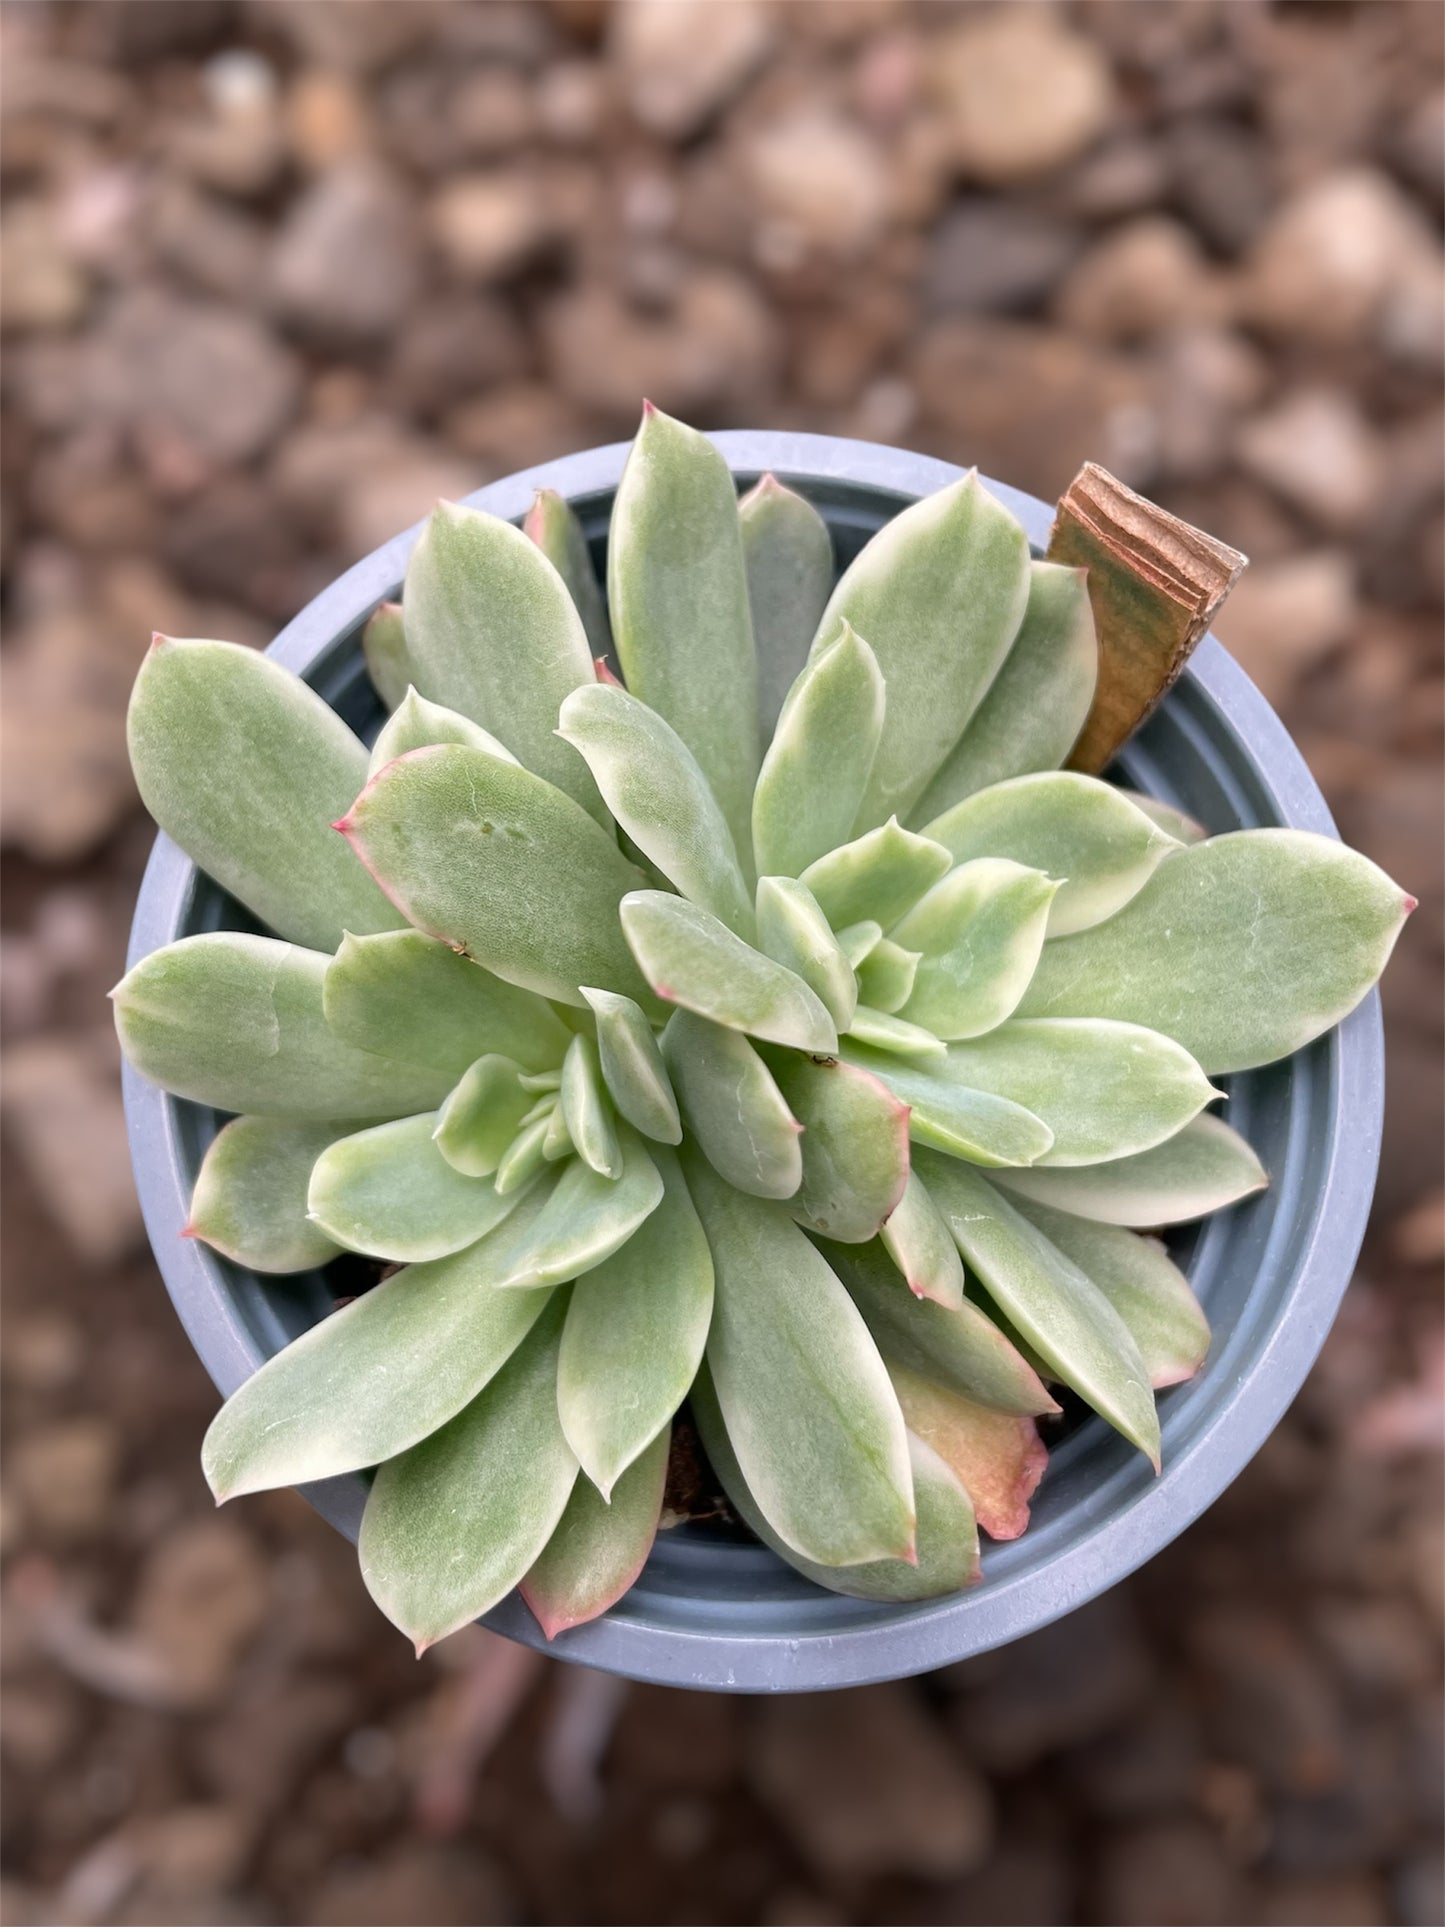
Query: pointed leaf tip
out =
(606, 674)
(1410, 905)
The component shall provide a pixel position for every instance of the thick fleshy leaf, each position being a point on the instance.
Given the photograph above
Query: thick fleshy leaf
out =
(945, 1113)
(1173, 822)
(733, 1107)
(245, 767)
(406, 995)
(815, 772)
(793, 931)
(653, 786)
(453, 1524)
(980, 931)
(1104, 1089)
(882, 1031)
(1200, 1169)
(383, 644)
(250, 1197)
(997, 1458)
(1036, 704)
(857, 941)
(557, 1143)
(789, 557)
(921, 1245)
(809, 1410)
(632, 1066)
(585, 1106)
(854, 1143)
(585, 1219)
(1085, 834)
(939, 592)
(876, 877)
(482, 1116)
(598, 1548)
(373, 1378)
(1243, 948)
(956, 1345)
(494, 860)
(492, 631)
(636, 1328)
(390, 1193)
(1137, 1276)
(237, 1022)
(946, 1546)
(524, 1156)
(886, 976)
(678, 593)
(690, 958)
(1055, 1307)
(417, 724)
(553, 525)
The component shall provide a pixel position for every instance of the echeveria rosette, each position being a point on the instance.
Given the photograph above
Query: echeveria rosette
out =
(806, 1043)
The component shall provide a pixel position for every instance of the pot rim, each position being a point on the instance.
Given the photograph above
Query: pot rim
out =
(940, 1631)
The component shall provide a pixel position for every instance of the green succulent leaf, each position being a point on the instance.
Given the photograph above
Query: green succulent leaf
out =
(692, 959)
(854, 1143)
(1184, 829)
(1242, 949)
(417, 724)
(525, 1156)
(793, 931)
(955, 1345)
(390, 1193)
(1036, 704)
(586, 1217)
(383, 645)
(406, 995)
(482, 1116)
(921, 1246)
(1105, 1089)
(452, 1525)
(733, 1107)
(1200, 1169)
(588, 1113)
(1141, 1282)
(1086, 835)
(788, 553)
(493, 632)
(557, 1143)
(946, 1113)
(373, 1378)
(654, 787)
(245, 767)
(997, 1458)
(635, 1332)
(678, 592)
(946, 1545)
(877, 877)
(858, 941)
(940, 593)
(880, 1030)
(815, 772)
(250, 1197)
(886, 976)
(980, 931)
(555, 528)
(495, 861)
(238, 1022)
(599, 1547)
(1055, 1307)
(809, 1410)
(632, 1066)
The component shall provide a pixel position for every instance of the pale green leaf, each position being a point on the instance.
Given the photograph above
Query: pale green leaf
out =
(588, 1113)
(886, 976)
(482, 1116)
(733, 1107)
(238, 1022)
(632, 1066)
(635, 1332)
(453, 1524)
(692, 959)
(492, 632)
(921, 1246)
(557, 1143)
(789, 556)
(809, 1410)
(1200, 1169)
(1184, 829)
(793, 931)
(882, 1031)
(815, 772)
(998, 1458)
(555, 528)
(858, 940)
(250, 1197)
(980, 930)
(854, 1143)
(418, 724)
(1085, 834)
(876, 877)
(1243, 948)
(585, 1219)
(524, 1156)
(246, 768)
(390, 1193)
(945, 1113)
(678, 594)
(383, 644)
(598, 1548)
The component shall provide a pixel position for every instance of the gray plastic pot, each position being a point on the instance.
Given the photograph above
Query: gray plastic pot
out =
(713, 1608)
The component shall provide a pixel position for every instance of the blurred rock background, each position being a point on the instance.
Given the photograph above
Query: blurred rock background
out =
(277, 273)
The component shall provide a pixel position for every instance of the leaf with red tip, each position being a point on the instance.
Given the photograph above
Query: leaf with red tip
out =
(733, 1107)
(998, 1459)
(554, 526)
(921, 1245)
(789, 557)
(599, 1548)
(854, 1143)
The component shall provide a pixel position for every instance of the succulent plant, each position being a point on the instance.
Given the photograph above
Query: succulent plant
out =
(810, 1047)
